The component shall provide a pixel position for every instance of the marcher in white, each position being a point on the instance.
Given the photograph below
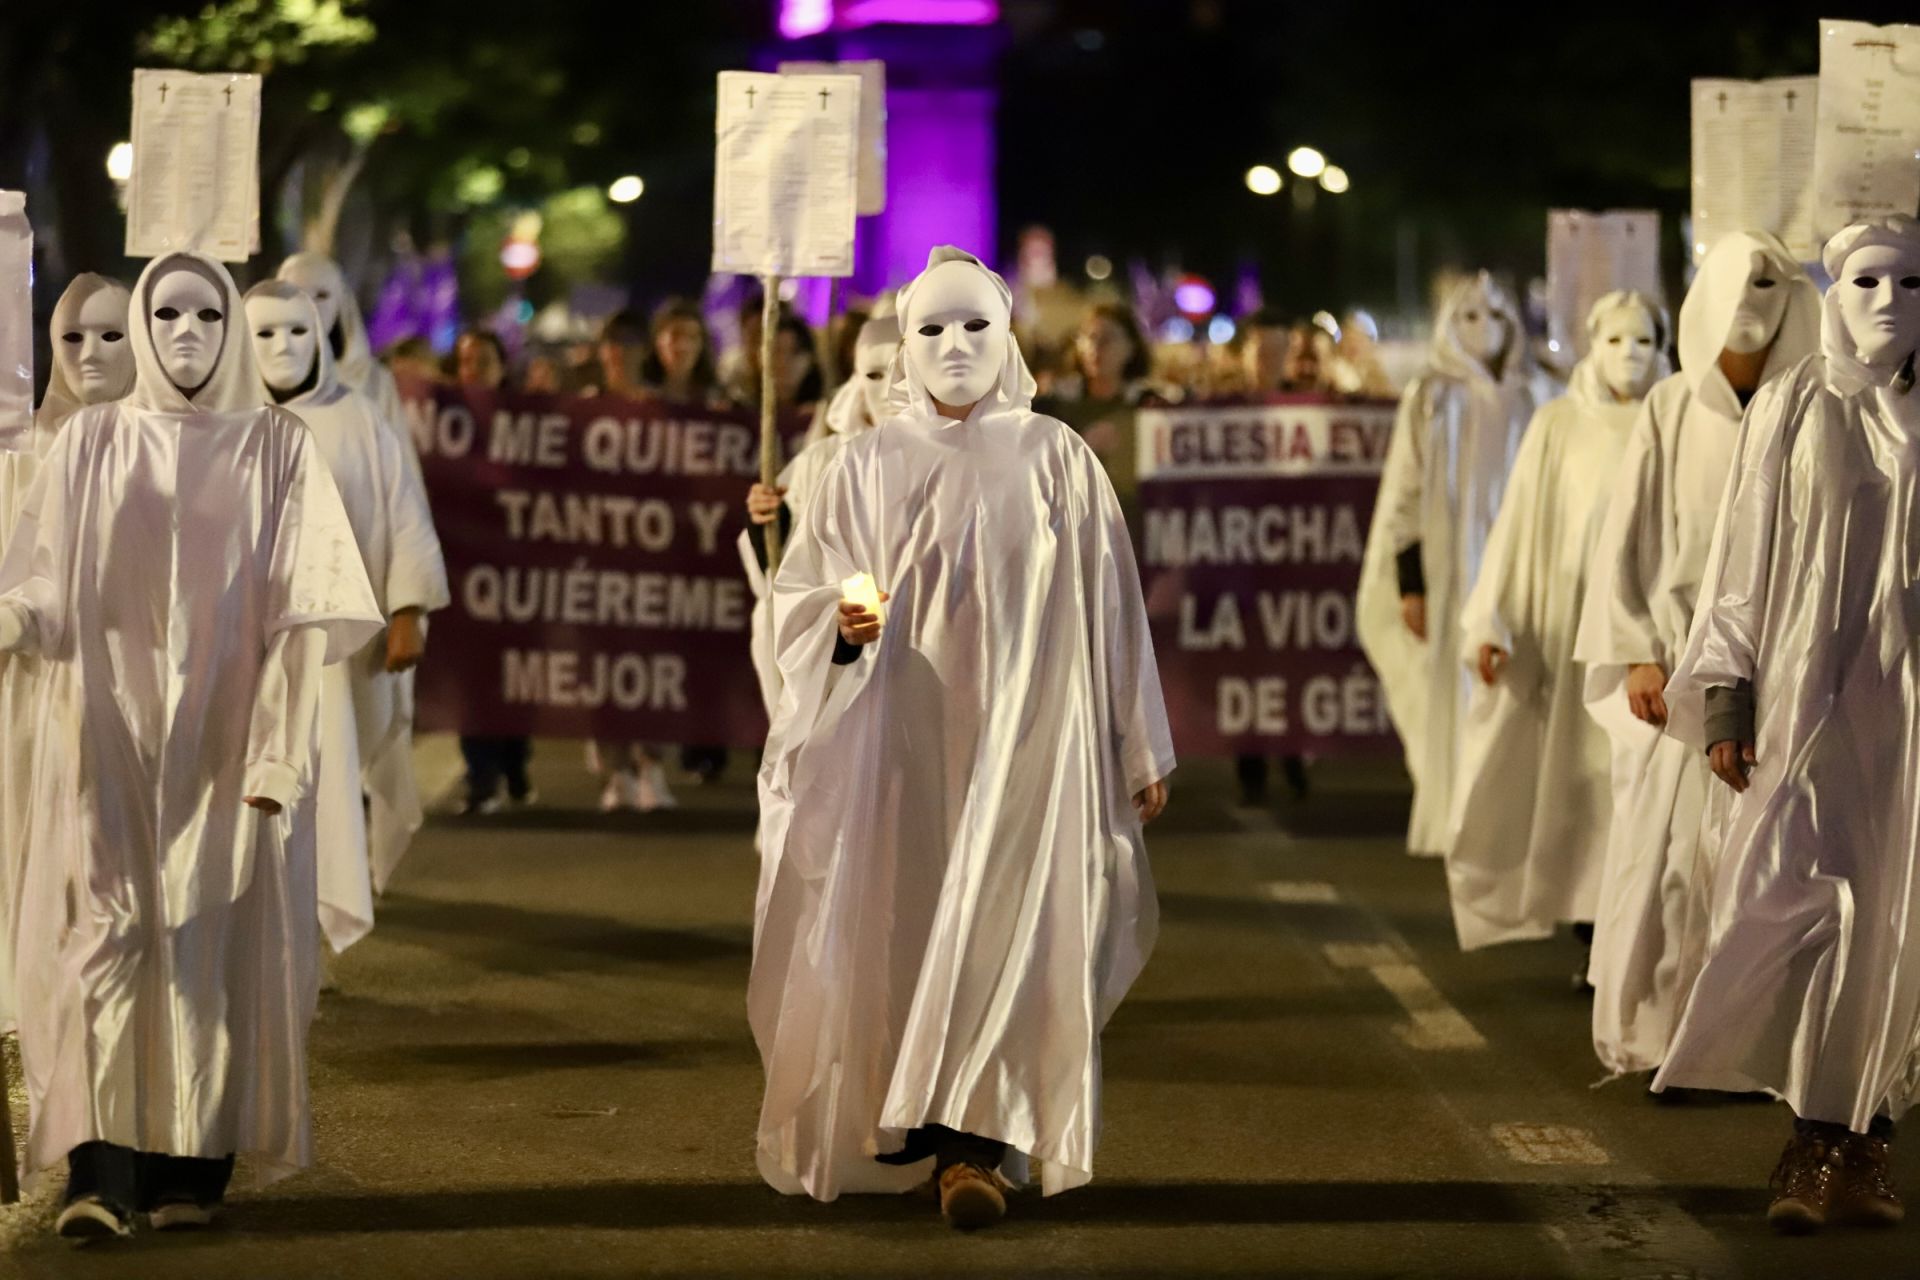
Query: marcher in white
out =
(860, 404)
(1454, 441)
(1802, 680)
(366, 722)
(1532, 799)
(92, 364)
(1750, 315)
(954, 892)
(346, 329)
(184, 569)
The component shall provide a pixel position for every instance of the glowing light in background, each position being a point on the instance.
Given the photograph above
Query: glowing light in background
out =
(1193, 296)
(626, 190)
(120, 161)
(805, 17)
(1324, 320)
(1220, 330)
(1099, 267)
(800, 18)
(520, 257)
(1178, 329)
(1306, 162)
(1334, 180)
(1263, 180)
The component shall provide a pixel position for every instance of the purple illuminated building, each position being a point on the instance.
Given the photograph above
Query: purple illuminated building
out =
(940, 57)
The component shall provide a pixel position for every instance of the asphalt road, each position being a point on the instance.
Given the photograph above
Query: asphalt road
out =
(538, 1066)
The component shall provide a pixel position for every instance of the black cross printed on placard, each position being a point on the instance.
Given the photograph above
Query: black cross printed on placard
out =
(163, 93)
(751, 91)
(229, 92)
(1791, 95)
(1723, 102)
(823, 99)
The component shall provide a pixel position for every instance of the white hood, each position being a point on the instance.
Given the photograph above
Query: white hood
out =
(1014, 391)
(1586, 383)
(234, 386)
(327, 386)
(1446, 355)
(354, 361)
(1847, 372)
(61, 401)
(1706, 316)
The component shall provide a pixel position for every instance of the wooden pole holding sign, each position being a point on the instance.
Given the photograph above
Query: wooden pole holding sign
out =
(770, 410)
(9, 1157)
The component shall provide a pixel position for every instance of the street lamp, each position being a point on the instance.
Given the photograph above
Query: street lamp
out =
(1263, 180)
(120, 161)
(1306, 162)
(626, 190)
(1334, 180)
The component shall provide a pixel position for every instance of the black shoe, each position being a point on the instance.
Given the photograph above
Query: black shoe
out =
(91, 1218)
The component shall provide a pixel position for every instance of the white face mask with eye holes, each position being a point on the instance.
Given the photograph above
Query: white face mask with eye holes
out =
(186, 316)
(1878, 296)
(871, 365)
(1482, 330)
(285, 345)
(93, 353)
(956, 334)
(1625, 347)
(1762, 304)
(318, 284)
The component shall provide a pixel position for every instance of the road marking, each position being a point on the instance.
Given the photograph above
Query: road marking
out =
(1300, 891)
(1549, 1144)
(1363, 955)
(1435, 1023)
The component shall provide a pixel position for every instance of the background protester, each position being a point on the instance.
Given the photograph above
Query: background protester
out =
(677, 365)
(797, 380)
(480, 363)
(1107, 380)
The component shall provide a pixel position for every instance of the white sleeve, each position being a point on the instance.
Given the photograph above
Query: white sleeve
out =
(280, 735)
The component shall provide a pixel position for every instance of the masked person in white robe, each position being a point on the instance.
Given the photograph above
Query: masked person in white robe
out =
(1532, 800)
(954, 891)
(184, 570)
(1801, 679)
(346, 329)
(366, 736)
(1751, 314)
(859, 404)
(1454, 441)
(92, 364)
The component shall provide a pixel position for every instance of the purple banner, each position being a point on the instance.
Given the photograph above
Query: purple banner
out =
(1253, 525)
(591, 545)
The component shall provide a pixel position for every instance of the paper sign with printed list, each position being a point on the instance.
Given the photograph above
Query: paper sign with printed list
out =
(1753, 161)
(1589, 255)
(1867, 158)
(785, 174)
(16, 324)
(196, 165)
(872, 197)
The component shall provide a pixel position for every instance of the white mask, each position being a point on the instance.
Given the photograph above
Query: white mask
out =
(187, 318)
(285, 345)
(1762, 305)
(93, 353)
(1879, 300)
(1626, 348)
(956, 334)
(870, 367)
(1482, 330)
(319, 284)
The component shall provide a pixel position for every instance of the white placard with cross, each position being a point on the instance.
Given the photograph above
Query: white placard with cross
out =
(1589, 255)
(1753, 161)
(785, 180)
(196, 165)
(873, 124)
(1867, 149)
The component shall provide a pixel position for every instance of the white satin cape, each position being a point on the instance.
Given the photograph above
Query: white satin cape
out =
(1454, 441)
(1811, 984)
(184, 569)
(1532, 799)
(954, 892)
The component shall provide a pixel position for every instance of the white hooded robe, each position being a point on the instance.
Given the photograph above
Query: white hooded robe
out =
(1647, 566)
(20, 672)
(184, 569)
(366, 722)
(1454, 442)
(954, 891)
(1532, 797)
(1811, 983)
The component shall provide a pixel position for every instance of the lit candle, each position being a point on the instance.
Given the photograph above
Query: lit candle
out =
(862, 590)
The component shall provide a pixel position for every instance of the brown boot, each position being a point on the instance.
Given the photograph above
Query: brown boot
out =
(1867, 1197)
(1805, 1185)
(970, 1197)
